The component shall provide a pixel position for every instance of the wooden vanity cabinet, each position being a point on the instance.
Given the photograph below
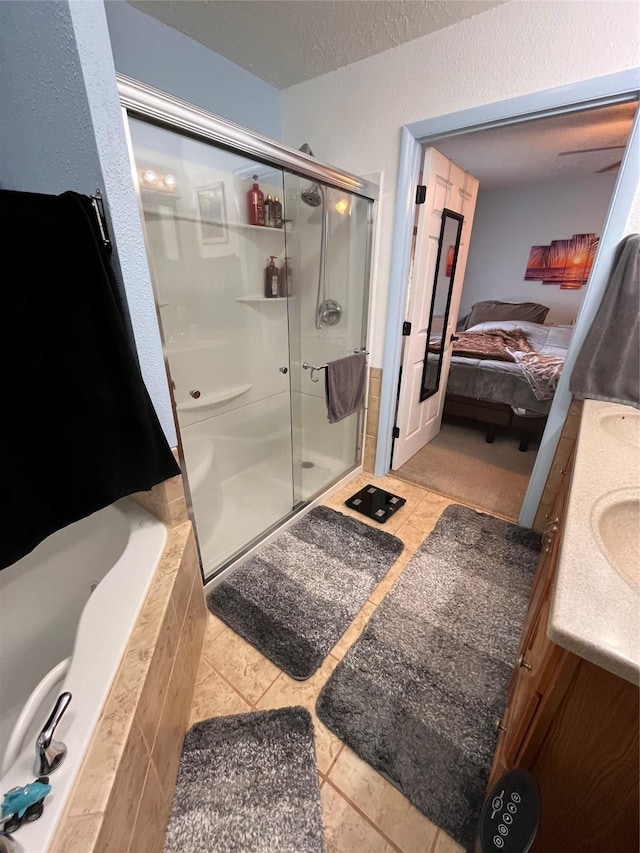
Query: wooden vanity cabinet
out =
(574, 726)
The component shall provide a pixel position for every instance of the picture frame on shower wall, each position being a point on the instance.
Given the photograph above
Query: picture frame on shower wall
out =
(212, 212)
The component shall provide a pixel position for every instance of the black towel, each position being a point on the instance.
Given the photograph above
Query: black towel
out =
(78, 428)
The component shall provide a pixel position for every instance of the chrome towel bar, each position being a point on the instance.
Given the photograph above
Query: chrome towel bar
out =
(315, 367)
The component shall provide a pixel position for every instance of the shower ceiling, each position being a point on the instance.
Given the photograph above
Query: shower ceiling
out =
(288, 41)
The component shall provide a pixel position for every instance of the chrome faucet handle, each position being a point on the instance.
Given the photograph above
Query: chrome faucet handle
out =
(8, 844)
(51, 753)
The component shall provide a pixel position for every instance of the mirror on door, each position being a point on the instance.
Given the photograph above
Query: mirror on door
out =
(448, 246)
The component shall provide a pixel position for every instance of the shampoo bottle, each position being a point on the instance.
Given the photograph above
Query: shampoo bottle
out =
(285, 278)
(271, 279)
(276, 213)
(268, 211)
(255, 204)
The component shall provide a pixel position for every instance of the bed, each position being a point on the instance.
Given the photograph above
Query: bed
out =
(500, 391)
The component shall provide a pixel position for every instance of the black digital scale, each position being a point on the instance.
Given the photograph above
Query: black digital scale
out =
(375, 503)
(509, 817)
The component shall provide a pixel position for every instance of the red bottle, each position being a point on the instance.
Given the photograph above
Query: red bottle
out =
(255, 204)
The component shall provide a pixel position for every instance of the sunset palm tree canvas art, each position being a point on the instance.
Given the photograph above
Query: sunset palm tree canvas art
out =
(564, 262)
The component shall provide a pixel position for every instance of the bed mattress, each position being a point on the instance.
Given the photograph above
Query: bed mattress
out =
(504, 381)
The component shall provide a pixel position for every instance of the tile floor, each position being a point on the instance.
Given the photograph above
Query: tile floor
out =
(363, 813)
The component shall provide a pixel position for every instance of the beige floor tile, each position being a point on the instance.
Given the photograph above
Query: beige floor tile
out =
(287, 691)
(412, 536)
(429, 511)
(244, 667)
(446, 844)
(410, 491)
(214, 628)
(346, 831)
(353, 632)
(388, 581)
(383, 804)
(213, 697)
(337, 499)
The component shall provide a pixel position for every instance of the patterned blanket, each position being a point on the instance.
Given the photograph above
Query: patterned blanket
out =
(494, 344)
(542, 371)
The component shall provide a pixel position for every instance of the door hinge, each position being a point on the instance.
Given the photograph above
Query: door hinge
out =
(395, 432)
(406, 329)
(421, 193)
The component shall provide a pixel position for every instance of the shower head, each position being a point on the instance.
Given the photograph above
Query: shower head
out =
(312, 196)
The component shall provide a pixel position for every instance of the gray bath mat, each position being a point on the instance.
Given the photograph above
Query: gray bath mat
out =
(418, 694)
(295, 598)
(248, 783)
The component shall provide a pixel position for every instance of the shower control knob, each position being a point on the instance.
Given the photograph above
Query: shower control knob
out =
(195, 393)
(283, 369)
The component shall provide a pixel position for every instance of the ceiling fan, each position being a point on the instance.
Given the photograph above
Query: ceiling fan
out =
(603, 148)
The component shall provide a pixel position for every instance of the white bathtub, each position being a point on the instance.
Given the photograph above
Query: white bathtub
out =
(48, 612)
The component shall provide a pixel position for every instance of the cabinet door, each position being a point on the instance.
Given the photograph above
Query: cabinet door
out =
(537, 661)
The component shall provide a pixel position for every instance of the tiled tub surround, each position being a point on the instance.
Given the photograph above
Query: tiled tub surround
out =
(373, 413)
(166, 500)
(122, 797)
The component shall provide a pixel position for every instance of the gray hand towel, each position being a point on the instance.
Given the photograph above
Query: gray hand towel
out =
(608, 365)
(345, 384)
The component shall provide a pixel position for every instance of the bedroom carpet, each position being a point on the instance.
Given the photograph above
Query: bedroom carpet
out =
(296, 596)
(248, 782)
(418, 694)
(459, 464)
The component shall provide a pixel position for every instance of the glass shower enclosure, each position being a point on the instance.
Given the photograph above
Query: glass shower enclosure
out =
(245, 345)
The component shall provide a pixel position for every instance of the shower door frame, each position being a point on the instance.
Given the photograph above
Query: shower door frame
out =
(138, 100)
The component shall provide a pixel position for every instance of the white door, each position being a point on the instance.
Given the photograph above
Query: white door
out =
(448, 186)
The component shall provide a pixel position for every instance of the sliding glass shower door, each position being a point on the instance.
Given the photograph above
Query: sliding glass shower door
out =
(327, 321)
(238, 292)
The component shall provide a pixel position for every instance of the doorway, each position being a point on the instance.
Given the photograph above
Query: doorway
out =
(615, 88)
(544, 189)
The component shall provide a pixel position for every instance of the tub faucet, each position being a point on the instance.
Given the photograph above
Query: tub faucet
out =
(50, 753)
(8, 844)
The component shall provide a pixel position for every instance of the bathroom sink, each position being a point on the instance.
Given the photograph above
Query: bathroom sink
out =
(622, 425)
(616, 524)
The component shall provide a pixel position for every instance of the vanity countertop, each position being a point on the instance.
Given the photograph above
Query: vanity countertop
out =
(595, 610)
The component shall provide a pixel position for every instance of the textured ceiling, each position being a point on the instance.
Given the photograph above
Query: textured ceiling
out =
(288, 41)
(529, 152)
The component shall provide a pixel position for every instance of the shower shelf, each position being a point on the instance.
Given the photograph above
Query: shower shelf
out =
(262, 298)
(207, 400)
(267, 228)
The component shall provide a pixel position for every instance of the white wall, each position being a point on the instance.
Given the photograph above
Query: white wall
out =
(353, 116)
(153, 53)
(66, 156)
(509, 221)
(64, 131)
